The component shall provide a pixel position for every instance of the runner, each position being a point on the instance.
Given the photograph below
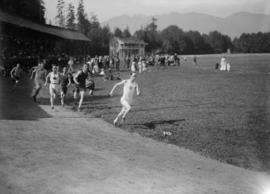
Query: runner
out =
(126, 100)
(79, 80)
(90, 84)
(40, 76)
(65, 82)
(54, 87)
(15, 74)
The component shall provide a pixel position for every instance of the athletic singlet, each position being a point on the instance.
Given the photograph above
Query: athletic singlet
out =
(54, 78)
(65, 79)
(82, 77)
(40, 74)
(128, 92)
(17, 71)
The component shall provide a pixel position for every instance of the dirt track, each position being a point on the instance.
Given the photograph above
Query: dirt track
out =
(44, 151)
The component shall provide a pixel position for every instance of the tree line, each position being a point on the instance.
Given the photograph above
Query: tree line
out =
(68, 17)
(169, 40)
(174, 40)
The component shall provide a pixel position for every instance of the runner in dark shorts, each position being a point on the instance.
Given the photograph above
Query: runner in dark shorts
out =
(80, 80)
(90, 84)
(65, 81)
(39, 74)
(15, 74)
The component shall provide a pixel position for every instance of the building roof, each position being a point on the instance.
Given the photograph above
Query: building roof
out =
(130, 40)
(47, 29)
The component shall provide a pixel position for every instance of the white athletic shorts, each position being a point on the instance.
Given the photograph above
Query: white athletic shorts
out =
(125, 103)
(54, 88)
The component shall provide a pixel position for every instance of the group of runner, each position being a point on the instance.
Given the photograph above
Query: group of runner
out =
(60, 81)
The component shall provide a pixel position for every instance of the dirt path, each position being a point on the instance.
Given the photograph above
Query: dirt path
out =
(62, 152)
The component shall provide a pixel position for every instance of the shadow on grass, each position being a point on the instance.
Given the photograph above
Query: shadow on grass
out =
(18, 105)
(153, 124)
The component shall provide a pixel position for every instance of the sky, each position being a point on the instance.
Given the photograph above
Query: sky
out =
(106, 9)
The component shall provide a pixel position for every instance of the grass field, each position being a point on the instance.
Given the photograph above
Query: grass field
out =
(221, 115)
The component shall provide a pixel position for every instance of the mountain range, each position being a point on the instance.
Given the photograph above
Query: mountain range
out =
(233, 25)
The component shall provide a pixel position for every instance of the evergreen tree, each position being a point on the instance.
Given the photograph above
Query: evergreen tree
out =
(100, 36)
(70, 23)
(118, 33)
(174, 40)
(60, 17)
(33, 10)
(152, 27)
(219, 42)
(252, 43)
(83, 22)
(151, 36)
(126, 33)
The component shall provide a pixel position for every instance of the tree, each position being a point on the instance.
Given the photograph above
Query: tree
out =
(118, 33)
(100, 37)
(126, 33)
(151, 36)
(152, 27)
(60, 17)
(33, 10)
(174, 40)
(83, 22)
(41, 11)
(252, 43)
(200, 46)
(94, 21)
(219, 42)
(70, 23)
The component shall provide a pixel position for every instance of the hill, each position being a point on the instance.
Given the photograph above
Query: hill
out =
(233, 25)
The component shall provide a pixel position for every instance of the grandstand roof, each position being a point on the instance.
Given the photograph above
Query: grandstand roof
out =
(47, 29)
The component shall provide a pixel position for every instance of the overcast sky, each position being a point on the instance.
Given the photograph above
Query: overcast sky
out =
(106, 9)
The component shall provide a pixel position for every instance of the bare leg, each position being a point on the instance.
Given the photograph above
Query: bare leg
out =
(62, 98)
(52, 97)
(75, 94)
(81, 100)
(52, 100)
(119, 115)
(127, 109)
(36, 91)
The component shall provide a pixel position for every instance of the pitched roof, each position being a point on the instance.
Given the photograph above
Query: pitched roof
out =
(47, 29)
(131, 40)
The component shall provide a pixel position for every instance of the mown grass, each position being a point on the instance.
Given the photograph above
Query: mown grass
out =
(222, 115)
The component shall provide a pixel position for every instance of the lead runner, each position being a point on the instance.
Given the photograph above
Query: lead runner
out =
(130, 85)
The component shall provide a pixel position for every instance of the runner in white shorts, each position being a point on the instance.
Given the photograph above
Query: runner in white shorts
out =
(54, 87)
(130, 85)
